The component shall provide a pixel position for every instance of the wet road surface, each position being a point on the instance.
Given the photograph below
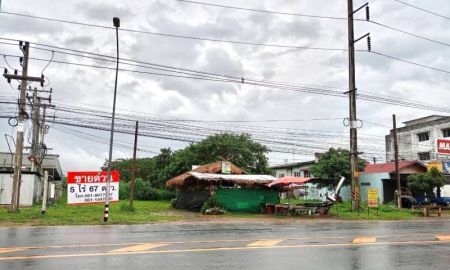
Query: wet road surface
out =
(303, 245)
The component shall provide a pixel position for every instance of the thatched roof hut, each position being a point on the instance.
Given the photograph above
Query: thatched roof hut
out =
(191, 179)
(185, 179)
(236, 190)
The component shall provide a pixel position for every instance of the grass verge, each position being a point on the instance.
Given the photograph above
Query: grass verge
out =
(156, 211)
(62, 214)
(385, 212)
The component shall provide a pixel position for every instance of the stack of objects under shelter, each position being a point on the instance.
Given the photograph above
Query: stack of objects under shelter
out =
(232, 187)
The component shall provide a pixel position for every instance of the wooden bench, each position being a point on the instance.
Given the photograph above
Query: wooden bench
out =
(427, 209)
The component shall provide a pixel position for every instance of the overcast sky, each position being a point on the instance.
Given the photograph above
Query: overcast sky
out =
(193, 99)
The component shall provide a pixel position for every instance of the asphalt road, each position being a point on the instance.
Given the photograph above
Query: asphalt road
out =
(303, 245)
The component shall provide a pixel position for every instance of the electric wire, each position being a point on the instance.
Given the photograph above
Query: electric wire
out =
(422, 9)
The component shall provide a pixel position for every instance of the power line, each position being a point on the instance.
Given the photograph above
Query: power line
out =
(321, 17)
(297, 47)
(410, 33)
(422, 9)
(265, 11)
(410, 62)
(268, 84)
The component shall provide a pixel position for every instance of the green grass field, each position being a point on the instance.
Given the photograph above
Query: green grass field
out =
(385, 212)
(157, 211)
(62, 214)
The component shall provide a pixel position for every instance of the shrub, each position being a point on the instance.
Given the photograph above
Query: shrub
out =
(209, 204)
(125, 207)
(144, 192)
(124, 190)
(173, 202)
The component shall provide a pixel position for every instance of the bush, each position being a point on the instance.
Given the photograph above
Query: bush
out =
(125, 207)
(124, 190)
(173, 202)
(145, 192)
(209, 204)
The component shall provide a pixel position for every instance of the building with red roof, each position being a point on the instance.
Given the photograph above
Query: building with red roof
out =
(382, 177)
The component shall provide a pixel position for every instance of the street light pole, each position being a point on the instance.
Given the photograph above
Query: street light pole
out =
(116, 22)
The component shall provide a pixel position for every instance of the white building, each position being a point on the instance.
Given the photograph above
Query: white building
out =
(31, 182)
(302, 169)
(417, 139)
(297, 169)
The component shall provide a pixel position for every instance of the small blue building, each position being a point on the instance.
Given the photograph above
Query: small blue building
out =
(382, 177)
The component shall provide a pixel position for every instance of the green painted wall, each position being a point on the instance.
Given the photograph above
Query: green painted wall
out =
(246, 199)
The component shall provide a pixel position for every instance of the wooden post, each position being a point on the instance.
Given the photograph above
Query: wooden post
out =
(133, 169)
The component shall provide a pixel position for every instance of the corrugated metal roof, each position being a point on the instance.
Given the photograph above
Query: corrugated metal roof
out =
(50, 163)
(232, 177)
(296, 164)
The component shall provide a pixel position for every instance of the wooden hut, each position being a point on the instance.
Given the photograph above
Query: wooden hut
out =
(232, 187)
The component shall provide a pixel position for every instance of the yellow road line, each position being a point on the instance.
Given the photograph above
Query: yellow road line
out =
(6, 250)
(265, 243)
(443, 237)
(56, 256)
(360, 240)
(141, 247)
(221, 241)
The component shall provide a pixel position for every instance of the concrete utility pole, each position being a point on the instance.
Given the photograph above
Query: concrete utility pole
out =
(36, 130)
(133, 169)
(352, 105)
(15, 196)
(353, 120)
(44, 195)
(24, 78)
(116, 23)
(397, 173)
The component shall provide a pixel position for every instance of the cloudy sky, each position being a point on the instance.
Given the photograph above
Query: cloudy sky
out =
(175, 98)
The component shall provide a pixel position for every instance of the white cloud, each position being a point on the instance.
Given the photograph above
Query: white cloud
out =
(194, 99)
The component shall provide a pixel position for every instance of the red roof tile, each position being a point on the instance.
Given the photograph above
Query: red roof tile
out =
(390, 167)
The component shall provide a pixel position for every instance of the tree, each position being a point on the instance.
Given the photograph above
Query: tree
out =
(334, 164)
(426, 182)
(239, 149)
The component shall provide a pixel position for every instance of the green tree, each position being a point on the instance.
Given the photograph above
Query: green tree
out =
(426, 182)
(239, 149)
(334, 164)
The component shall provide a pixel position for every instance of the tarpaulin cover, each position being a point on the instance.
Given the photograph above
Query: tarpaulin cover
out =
(288, 180)
(191, 200)
(246, 199)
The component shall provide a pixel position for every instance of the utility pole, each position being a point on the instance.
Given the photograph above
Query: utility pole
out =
(35, 135)
(44, 195)
(133, 169)
(397, 173)
(353, 120)
(20, 131)
(24, 78)
(352, 105)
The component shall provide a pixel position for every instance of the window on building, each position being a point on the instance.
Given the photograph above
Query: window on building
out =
(367, 184)
(297, 174)
(306, 174)
(424, 136)
(280, 175)
(424, 156)
(446, 132)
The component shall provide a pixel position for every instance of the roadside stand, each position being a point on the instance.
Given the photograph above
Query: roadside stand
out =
(290, 183)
